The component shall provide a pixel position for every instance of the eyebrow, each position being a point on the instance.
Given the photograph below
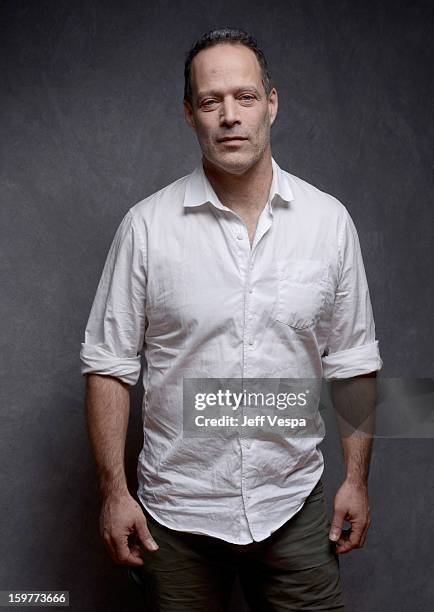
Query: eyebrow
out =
(214, 92)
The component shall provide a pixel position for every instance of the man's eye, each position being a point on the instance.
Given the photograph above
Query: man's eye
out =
(249, 98)
(208, 102)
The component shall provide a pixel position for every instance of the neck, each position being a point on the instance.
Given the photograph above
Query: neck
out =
(242, 192)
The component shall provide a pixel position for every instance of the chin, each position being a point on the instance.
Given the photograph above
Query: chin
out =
(234, 162)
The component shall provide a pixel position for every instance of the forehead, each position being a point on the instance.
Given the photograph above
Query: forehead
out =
(224, 65)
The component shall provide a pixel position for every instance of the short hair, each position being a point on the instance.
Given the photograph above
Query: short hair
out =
(226, 36)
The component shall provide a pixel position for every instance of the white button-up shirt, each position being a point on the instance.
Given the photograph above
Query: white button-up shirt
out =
(182, 282)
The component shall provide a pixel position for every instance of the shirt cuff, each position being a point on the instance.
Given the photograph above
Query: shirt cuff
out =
(97, 360)
(353, 362)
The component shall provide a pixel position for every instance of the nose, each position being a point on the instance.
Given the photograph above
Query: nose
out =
(229, 114)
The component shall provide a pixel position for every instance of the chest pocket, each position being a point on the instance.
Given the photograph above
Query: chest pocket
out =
(303, 290)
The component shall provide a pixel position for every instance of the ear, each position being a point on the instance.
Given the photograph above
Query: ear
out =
(273, 105)
(188, 113)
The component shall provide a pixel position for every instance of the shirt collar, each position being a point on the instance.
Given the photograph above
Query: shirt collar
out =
(199, 190)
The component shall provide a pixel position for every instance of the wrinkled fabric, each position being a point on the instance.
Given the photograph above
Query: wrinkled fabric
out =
(182, 285)
(296, 568)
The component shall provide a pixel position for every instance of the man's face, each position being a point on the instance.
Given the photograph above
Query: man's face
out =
(229, 100)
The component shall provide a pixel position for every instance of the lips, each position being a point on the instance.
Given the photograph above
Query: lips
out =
(228, 138)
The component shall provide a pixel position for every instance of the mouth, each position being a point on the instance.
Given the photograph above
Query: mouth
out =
(232, 139)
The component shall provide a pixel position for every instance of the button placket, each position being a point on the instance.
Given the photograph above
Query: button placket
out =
(246, 256)
(248, 302)
(263, 226)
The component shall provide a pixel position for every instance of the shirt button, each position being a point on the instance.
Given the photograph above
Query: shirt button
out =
(251, 342)
(250, 290)
(239, 236)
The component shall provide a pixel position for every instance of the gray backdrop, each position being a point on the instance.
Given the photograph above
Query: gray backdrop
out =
(92, 122)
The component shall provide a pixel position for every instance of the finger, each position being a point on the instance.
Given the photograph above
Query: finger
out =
(350, 539)
(344, 548)
(145, 536)
(108, 544)
(365, 533)
(336, 525)
(343, 545)
(344, 537)
(136, 551)
(122, 551)
(356, 533)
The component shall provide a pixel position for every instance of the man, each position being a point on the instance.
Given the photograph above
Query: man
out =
(238, 270)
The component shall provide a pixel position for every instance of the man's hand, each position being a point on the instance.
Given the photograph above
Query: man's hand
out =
(121, 516)
(350, 504)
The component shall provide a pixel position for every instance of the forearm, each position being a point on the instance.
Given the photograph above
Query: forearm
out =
(107, 413)
(354, 401)
(357, 456)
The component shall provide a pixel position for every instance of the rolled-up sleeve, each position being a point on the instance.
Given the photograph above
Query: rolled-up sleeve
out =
(114, 333)
(352, 348)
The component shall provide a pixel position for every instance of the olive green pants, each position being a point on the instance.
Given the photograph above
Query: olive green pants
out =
(296, 568)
